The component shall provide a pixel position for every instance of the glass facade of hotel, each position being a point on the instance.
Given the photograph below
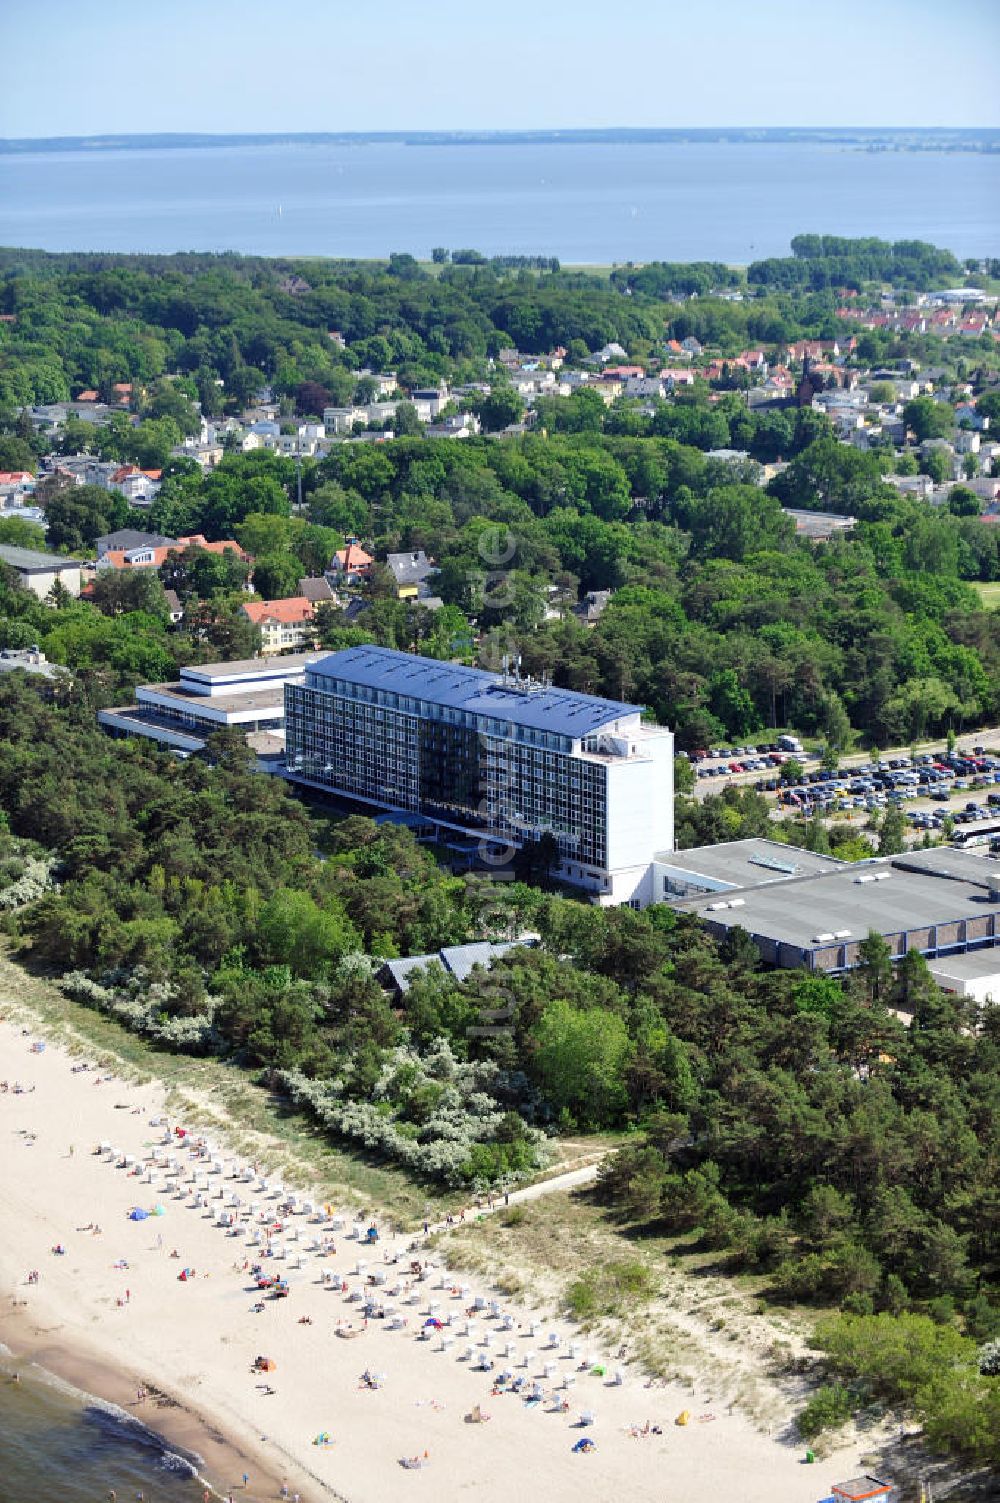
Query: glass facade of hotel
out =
(468, 769)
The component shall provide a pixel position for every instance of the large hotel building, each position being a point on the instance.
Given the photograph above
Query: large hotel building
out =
(489, 755)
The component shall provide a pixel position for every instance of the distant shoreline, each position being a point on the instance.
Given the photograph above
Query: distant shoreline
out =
(895, 138)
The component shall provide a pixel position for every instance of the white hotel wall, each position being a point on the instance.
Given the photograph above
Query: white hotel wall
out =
(640, 816)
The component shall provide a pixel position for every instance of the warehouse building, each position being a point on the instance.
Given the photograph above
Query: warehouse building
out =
(942, 902)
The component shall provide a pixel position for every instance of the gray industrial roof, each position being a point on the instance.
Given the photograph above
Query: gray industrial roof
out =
(747, 863)
(561, 711)
(28, 561)
(906, 895)
(974, 965)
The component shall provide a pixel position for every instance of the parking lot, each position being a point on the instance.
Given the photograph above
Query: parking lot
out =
(962, 786)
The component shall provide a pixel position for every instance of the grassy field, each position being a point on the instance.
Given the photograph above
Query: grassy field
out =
(668, 1306)
(989, 594)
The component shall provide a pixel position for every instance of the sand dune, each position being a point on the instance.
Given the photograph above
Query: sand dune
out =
(118, 1297)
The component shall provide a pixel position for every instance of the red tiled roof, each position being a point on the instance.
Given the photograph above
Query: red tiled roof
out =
(353, 558)
(291, 612)
(224, 545)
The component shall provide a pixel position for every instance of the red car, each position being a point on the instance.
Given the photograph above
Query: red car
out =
(736, 767)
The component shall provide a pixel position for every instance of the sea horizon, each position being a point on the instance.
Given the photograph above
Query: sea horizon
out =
(608, 200)
(900, 135)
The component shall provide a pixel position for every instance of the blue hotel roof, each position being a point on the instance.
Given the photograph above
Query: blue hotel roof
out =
(562, 711)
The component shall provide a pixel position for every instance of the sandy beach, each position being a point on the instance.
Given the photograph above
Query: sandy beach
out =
(112, 1311)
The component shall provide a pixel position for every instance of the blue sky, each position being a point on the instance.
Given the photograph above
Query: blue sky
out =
(242, 65)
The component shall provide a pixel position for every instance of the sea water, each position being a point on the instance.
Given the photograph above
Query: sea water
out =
(585, 202)
(58, 1445)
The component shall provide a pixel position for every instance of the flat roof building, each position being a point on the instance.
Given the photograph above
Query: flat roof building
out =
(248, 695)
(975, 975)
(490, 755)
(38, 572)
(940, 902)
(730, 865)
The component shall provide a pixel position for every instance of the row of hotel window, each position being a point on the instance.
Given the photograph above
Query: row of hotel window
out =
(387, 701)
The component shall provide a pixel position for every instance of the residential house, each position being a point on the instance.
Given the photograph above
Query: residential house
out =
(127, 538)
(986, 487)
(285, 625)
(411, 571)
(351, 563)
(341, 419)
(206, 456)
(457, 961)
(592, 606)
(819, 526)
(459, 425)
(153, 555)
(645, 386)
(384, 381)
(966, 412)
(15, 485)
(81, 469)
(174, 607)
(529, 384)
(317, 589)
(921, 486)
(429, 401)
(292, 444)
(138, 486)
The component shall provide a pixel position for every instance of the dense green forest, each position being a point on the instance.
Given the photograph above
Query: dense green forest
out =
(89, 320)
(723, 622)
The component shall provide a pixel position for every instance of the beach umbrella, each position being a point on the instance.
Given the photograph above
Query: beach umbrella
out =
(138, 1214)
(158, 1211)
